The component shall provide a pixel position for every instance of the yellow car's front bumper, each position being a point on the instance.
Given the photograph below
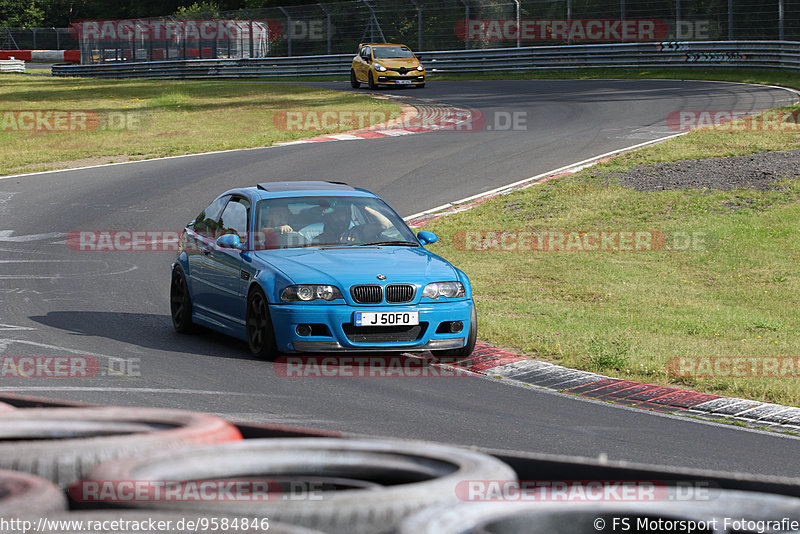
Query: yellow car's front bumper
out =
(395, 78)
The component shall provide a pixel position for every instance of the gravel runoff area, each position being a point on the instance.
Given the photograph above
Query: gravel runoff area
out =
(757, 171)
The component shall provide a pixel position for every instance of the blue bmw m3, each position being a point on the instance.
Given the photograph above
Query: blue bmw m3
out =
(318, 267)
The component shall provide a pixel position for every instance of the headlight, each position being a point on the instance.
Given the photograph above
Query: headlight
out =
(379, 67)
(420, 67)
(450, 290)
(311, 292)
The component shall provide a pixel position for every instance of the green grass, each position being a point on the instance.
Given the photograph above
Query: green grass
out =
(146, 118)
(724, 284)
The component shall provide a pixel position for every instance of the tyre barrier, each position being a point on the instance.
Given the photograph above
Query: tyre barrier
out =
(362, 486)
(64, 444)
(723, 512)
(21, 493)
(157, 522)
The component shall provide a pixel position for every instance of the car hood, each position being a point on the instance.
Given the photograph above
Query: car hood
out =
(409, 63)
(359, 265)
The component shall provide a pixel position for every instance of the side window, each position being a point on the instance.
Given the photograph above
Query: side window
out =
(234, 218)
(365, 53)
(206, 222)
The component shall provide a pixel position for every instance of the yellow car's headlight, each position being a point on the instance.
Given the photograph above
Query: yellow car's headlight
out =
(379, 67)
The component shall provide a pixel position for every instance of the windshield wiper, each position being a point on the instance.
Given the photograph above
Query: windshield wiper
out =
(397, 243)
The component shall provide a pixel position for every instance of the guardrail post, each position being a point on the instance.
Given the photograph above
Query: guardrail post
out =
(419, 24)
(569, 18)
(466, 24)
(780, 20)
(419, 28)
(730, 20)
(519, 30)
(677, 20)
(622, 9)
(290, 32)
(328, 17)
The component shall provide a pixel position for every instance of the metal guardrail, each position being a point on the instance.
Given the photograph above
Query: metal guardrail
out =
(758, 54)
(12, 65)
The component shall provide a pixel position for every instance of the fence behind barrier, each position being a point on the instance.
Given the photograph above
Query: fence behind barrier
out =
(756, 54)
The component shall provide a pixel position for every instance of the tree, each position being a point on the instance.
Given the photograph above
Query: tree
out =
(20, 13)
(202, 9)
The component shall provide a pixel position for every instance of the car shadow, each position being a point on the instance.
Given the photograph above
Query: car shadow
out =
(146, 330)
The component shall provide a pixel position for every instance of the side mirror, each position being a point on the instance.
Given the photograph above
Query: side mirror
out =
(229, 241)
(426, 238)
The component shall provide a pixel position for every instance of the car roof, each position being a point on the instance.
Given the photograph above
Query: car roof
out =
(300, 188)
(304, 185)
(381, 44)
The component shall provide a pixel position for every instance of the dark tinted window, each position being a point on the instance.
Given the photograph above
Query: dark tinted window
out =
(207, 220)
(234, 218)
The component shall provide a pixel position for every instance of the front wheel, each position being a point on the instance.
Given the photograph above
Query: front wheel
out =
(372, 84)
(180, 302)
(260, 334)
(354, 83)
(420, 86)
(469, 346)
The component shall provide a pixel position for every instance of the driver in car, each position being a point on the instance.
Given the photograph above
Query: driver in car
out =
(337, 226)
(275, 225)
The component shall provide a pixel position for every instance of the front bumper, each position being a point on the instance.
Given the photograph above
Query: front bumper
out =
(395, 78)
(333, 328)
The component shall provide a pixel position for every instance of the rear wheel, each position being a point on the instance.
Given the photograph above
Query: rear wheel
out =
(354, 83)
(372, 84)
(472, 338)
(260, 334)
(180, 302)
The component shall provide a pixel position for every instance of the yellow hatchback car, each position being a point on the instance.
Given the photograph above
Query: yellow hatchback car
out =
(386, 64)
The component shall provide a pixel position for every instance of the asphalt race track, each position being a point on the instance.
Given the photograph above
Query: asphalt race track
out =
(59, 302)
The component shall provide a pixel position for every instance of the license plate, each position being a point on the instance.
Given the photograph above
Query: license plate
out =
(403, 82)
(386, 318)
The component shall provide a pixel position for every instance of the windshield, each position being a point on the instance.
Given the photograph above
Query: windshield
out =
(391, 52)
(328, 221)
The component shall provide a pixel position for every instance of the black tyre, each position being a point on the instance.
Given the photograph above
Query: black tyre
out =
(260, 334)
(354, 83)
(472, 338)
(372, 84)
(420, 86)
(180, 302)
(63, 444)
(381, 481)
(24, 494)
